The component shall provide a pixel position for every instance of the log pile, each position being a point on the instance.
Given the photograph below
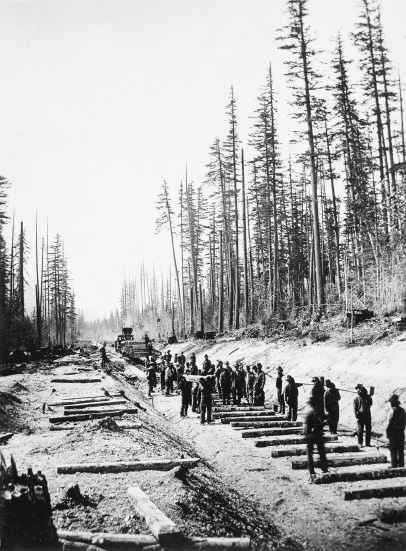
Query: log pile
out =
(26, 514)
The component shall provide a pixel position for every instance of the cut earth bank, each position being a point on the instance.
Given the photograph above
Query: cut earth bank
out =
(381, 365)
(315, 515)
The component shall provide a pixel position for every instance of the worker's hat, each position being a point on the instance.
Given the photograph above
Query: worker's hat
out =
(359, 386)
(394, 399)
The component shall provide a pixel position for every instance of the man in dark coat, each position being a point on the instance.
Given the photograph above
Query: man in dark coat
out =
(279, 387)
(104, 358)
(362, 411)
(317, 393)
(182, 359)
(395, 431)
(162, 372)
(291, 397)
(225, 383)
(206, 365)
(185, 387)
(151, 377)
(193, 366)
(217, 373)
(259, 394)
(250, 385)
(205, 385)
(313, 432)
(331, 403)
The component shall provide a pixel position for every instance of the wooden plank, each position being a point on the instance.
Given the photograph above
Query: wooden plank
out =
(361, 492)
(255, 433)
(95, 404)
(243, 414)
(6, 436)
(163, 528)
(329, 478)
(289, 441)
(302, 450)
(77, 380)
(343, 461)
(238, 408)
(257, 423)
(391, 515)
(72, 401)
(248, 418)
(92, 411)
(86, 417)
(123, 466)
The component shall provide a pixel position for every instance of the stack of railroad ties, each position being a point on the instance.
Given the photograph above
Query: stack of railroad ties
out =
(165, 533)
(267, 427)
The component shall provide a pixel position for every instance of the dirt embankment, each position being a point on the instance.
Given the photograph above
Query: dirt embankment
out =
(381, 365)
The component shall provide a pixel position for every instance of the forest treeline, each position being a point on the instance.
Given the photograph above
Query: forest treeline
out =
(276, 235)
(53, 319)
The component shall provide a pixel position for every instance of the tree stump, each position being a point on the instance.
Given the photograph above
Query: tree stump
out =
(26, 518)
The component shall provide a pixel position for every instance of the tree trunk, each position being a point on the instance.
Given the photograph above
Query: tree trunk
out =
(221, 286)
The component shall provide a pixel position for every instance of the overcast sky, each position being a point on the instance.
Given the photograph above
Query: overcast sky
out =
(102, 100)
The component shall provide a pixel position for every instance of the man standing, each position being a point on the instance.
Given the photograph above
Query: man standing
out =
(317, 394)
(151, 377)
(225, 382)
(259, 398)
(362, 411)
(291, 397)
(331, 403)
(250, 385)
(313, 432)
(168, 379)
(185, 387)
(279, 386)
(205, 400)
(395, 431)
(104, 358)
(206, 365)
(193, 366)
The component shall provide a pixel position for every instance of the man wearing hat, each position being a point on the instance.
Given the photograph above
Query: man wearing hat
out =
(331, 403)
(279, 386)
(395, 431)
(313, 432)
(317, 393)
(362, 411)
(205, 387)
(291, 397)
(259, 398)
(225, 383)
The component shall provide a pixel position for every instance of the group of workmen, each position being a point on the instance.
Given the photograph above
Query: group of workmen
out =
(233, 383)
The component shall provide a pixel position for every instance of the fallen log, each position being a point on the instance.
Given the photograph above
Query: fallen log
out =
(70, 412)
(78, 380)
(103, 403)
(343, 461)
(328, 478)
(361, 492)
(391, 515)
(288, 441)
(72, 401)
(257, 423)
(84, 417)
(77, 546)
(123, 466)
(340, 448)
(255, 433)
(60, 427)
(137, 542)
(163, 528)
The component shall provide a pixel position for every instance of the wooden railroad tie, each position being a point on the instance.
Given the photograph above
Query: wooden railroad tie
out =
(70, 412)
(258, 423)
(255, 433)
(124, 466)
(78, 380)
(302, 450)
(233, 414)
(290, 441)
(329, 478)
(219, 409)
(378, 491)
(88, 416)
(105, 403)
(248, 418)
(343, 461)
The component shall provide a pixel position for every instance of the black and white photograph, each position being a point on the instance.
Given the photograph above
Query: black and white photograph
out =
(202, 275)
